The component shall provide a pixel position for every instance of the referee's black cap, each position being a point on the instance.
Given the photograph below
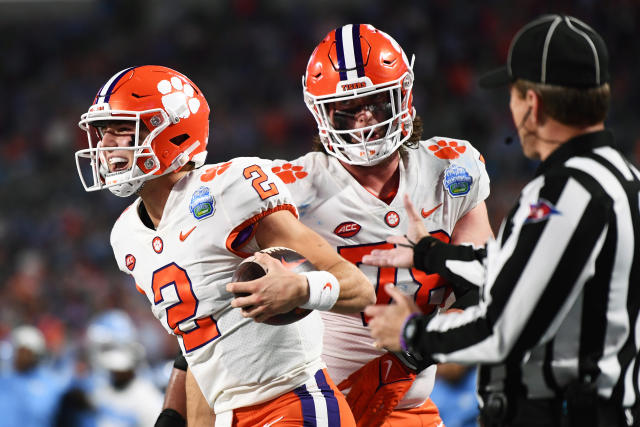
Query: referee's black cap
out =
(557, 50)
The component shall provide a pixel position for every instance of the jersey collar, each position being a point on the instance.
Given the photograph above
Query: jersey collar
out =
(577, 146)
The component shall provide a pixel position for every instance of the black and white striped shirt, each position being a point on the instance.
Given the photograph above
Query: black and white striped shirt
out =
(560, 285)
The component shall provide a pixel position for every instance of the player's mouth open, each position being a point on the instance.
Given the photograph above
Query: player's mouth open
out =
(118, 164)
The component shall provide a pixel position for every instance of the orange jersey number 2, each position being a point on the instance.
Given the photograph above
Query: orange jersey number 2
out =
(264, 189)
(206, 329)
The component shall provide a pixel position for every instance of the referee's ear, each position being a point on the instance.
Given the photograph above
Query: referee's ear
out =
(534, 103)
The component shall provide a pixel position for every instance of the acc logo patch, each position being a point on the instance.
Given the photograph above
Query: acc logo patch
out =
(392, 219)
(457, 180)
(130, 262)
(202, 203)
(541, 211)
(157, 244)
(347, 229)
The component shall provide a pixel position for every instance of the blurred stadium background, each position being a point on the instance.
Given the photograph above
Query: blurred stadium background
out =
(56, 266)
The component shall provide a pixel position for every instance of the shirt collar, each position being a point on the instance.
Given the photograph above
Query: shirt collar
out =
(577, 146)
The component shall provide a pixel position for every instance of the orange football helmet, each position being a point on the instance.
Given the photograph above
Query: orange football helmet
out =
(172, 109)
(353, 62)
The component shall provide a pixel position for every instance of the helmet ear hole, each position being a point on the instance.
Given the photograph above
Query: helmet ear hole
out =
(177, 140)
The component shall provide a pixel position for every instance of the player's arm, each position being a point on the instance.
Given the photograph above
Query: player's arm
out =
(282, 290)
(473, 227)
(174, 408)
(283, 229)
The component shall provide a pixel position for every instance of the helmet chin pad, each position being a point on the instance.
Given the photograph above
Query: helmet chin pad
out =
(129, 186)
(126, 189)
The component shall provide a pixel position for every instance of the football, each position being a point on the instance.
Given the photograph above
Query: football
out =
(250, 269)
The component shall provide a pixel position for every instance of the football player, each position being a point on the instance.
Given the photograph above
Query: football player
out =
(185, 234)
(358, 87)
(121, 394)
(368, 154)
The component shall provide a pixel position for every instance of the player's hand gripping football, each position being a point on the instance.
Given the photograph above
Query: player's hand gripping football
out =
(402, 254)
(376, 389)
(278, 291)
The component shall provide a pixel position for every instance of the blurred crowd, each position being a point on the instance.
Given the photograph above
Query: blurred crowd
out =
(247, 56)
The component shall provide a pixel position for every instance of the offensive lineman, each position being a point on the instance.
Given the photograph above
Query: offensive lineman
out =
(358, 87)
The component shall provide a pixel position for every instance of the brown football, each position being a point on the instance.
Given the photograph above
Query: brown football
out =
(250, 269)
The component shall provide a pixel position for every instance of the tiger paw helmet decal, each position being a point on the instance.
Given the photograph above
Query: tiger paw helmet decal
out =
(178, 98)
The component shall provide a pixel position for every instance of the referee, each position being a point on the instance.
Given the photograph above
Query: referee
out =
(556, 331)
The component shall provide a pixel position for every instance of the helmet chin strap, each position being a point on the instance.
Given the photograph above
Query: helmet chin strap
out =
(182, 159)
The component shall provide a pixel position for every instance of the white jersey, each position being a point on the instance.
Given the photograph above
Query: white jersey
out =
(445, 178)
(183, 267)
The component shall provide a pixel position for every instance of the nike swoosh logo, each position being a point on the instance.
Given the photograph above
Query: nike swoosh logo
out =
(272, 422)
(291, 265)
(428, 213)
(184, 236)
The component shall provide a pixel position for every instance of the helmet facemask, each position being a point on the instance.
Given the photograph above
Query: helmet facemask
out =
(126, 181)
(367, 145)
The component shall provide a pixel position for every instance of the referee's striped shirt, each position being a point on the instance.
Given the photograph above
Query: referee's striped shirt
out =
(560, 285)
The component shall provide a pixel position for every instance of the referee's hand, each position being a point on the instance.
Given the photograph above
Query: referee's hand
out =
(387, 321)
(400, 256)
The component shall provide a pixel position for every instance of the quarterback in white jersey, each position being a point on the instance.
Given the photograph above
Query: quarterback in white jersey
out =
(183, 267)
(182, 239)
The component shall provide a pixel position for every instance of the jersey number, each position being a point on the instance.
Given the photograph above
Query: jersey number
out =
(264, 189)
(206, 329)
(432, 288)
